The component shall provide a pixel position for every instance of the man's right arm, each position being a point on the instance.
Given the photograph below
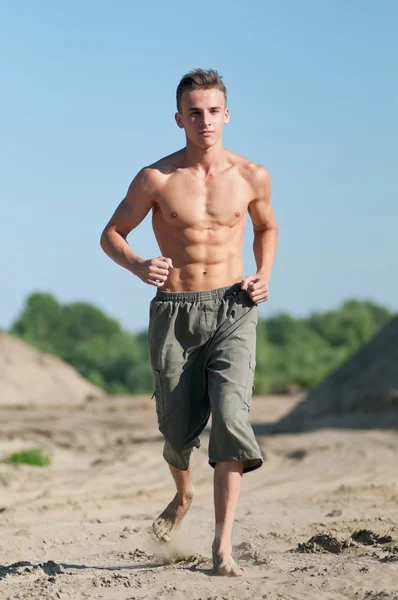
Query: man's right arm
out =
(129, 214)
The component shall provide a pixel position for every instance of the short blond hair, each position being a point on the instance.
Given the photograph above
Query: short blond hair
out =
(198, 79)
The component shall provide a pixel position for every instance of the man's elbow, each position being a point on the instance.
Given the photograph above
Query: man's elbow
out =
(271, 228)
(104, 239)
(110, 237)
(272, 225)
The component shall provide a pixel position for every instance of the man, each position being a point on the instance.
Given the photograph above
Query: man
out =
(203, 318)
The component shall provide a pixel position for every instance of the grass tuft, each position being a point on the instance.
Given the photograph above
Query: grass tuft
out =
(37, 457)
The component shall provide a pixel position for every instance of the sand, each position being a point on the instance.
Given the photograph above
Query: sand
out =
(29, 377)
(317, 521)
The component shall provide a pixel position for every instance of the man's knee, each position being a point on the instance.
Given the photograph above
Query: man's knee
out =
(179, 457)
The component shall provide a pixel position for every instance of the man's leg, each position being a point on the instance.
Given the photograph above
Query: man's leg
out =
(166, 525)
(227, 484)
(233, 448)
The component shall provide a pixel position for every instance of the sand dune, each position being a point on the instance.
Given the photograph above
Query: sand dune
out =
(29, 377)
(362, 393)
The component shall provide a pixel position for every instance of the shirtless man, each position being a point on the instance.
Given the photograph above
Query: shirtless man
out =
(204, 315)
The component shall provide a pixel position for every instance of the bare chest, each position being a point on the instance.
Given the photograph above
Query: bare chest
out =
(186, 202)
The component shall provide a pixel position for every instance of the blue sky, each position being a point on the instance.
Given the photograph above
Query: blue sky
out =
(88, 98)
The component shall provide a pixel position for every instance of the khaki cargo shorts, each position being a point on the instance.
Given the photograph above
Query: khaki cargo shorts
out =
(202, 347)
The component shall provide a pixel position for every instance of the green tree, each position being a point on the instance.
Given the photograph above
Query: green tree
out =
(39, 321)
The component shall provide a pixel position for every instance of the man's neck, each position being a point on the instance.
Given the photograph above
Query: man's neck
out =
(207, 160)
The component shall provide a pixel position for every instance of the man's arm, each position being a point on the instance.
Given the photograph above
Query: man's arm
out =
(265, 236)
(129, 214)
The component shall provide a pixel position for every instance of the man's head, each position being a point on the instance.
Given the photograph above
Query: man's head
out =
(201, 104)
(200, 80)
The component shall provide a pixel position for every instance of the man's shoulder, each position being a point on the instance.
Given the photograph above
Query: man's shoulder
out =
(165, 165)
(252, 172)
(151, 177)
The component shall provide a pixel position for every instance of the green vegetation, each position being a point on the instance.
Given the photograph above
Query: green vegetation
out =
(290, 351)
(32, 456)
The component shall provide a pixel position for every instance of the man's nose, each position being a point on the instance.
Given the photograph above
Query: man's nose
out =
(205, 120)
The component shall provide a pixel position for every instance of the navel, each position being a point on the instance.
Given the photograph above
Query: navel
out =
(237, 214)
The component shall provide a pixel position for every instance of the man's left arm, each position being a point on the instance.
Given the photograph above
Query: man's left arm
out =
(265, 236)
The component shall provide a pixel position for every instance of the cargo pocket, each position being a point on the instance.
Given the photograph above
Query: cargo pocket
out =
(250, 381)
(158, 393)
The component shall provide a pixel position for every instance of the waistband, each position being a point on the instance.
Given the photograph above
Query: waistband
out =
(201, 296)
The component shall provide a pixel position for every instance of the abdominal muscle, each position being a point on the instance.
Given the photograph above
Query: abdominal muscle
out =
(203, 258)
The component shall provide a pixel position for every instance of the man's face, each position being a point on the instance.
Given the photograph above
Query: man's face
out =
(203, 114)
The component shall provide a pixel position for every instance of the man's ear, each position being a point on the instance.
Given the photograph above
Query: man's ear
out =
(226, 116)
(178, 120)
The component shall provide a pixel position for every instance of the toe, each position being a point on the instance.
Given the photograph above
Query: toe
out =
(156, 527)
(161, 529)
(227, 568)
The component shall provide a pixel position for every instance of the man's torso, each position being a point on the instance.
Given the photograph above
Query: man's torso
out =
(199, 220)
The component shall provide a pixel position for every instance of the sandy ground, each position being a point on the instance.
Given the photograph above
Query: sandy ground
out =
(90, 512)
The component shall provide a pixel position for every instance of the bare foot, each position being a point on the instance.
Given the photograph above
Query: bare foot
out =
(224, 564)
(167, 524)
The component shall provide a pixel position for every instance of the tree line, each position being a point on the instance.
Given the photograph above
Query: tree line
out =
(292, 353)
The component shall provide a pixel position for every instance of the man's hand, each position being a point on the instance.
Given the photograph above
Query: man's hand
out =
(154, 271)
(257, 287)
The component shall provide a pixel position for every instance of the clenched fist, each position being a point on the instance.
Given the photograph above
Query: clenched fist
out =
(155, 271)
(257, 287)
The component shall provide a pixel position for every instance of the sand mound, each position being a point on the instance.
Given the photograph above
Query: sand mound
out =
(29, 377)
(362, 392)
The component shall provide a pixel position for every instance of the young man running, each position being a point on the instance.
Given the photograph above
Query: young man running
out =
(202, 330)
